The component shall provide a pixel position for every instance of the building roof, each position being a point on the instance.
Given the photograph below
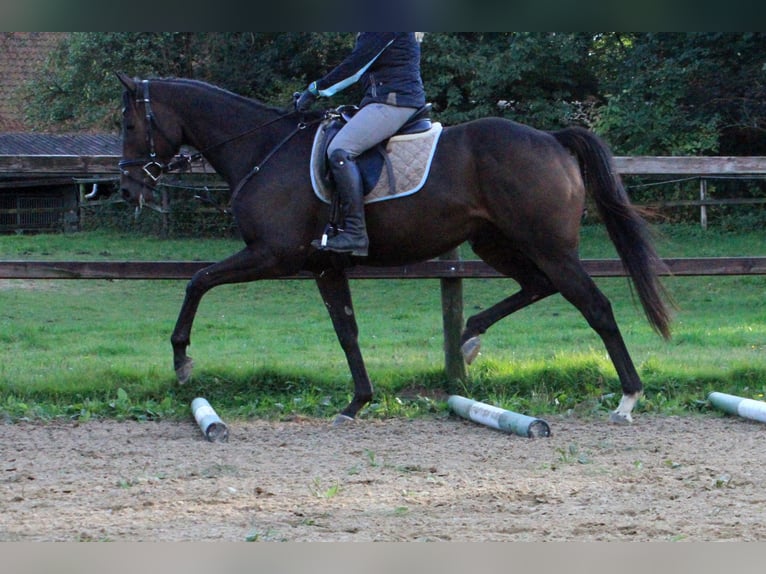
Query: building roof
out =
(60, 144)
(21, 55)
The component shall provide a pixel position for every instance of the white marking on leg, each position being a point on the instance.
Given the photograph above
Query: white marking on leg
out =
(342, 419)
(470, 349)
(622, 413)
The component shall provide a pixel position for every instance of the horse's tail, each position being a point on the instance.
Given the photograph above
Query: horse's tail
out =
(627, 229)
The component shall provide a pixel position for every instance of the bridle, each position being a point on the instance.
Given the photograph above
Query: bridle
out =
(150, 165)
(154, 169)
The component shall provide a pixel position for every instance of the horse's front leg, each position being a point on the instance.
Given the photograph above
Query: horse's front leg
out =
(246, 265)
(336, 294)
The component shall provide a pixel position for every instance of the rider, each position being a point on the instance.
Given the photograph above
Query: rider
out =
(388, 65)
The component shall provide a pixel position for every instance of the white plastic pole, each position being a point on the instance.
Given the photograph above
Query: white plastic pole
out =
(498, 418)
(209, 422)
(734, 405)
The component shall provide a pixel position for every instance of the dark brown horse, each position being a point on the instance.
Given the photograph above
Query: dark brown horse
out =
(516, 194)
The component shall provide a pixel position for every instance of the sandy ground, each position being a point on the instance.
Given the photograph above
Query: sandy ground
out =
(696, 478)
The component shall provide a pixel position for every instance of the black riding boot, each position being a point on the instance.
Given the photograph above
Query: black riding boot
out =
(348, 184)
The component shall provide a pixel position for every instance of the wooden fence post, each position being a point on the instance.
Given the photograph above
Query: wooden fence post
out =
(80, 202)
(703, 207)
(452, 321)
(165, 212)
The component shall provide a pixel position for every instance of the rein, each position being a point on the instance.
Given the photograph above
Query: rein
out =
(155, 169)
(257, 167)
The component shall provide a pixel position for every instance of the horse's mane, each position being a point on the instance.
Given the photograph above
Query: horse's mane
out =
(208, 87)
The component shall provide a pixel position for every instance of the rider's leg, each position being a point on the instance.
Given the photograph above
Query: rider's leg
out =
(371, 125)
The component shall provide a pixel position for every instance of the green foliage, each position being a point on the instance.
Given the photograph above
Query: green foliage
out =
(535, 78)
(647, 93)
(77, 88)
(683, 93)
(271, 66)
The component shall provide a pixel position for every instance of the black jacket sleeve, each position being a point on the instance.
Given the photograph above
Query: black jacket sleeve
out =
(369, 45)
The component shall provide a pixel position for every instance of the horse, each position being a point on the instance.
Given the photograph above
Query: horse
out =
(516, 194)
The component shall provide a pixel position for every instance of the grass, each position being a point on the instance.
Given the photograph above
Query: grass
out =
(83, 349)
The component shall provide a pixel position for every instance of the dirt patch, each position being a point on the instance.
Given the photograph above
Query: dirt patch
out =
(666, 478)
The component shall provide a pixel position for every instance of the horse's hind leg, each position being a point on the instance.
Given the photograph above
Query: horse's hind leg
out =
(535, 286)
(478, 324)
(336, 294)
(578, 288)
(544, 276)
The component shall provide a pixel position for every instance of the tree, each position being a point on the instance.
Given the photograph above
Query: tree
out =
(683, 93)
(540, 79)
(646, 93)
(77, 88)
(271, 66)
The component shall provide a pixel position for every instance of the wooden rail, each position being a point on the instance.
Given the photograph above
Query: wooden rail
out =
(703, 167)
(77, 165)
(433, 269)
(691, 165)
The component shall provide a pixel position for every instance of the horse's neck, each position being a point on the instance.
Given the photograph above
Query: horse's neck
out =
(213, 128)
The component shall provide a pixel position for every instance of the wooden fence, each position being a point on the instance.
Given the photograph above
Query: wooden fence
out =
(93, 169)
(701, 167)
(79, 166)
(449, 269)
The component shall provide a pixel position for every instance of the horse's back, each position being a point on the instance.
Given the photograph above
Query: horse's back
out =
(501, 134)
(497, 154)
(489, 172)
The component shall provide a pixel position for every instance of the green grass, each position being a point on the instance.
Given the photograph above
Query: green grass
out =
(85, 349)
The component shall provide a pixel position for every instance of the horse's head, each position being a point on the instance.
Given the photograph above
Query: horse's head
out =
(151, 136)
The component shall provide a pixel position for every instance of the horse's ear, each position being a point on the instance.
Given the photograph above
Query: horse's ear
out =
(127, 81)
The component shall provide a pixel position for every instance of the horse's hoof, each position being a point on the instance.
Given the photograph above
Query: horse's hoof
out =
(184, 372)
(620, 418)
(470, 349)
(341, 420)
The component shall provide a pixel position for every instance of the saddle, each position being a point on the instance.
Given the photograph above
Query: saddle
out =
(406, 156)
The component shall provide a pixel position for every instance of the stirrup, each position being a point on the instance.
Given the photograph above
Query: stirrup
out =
(358, 251)
(330, 230)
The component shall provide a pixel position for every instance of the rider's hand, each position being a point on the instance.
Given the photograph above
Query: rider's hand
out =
(304, 101)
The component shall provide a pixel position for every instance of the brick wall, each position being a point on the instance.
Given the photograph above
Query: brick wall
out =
(21, 54)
